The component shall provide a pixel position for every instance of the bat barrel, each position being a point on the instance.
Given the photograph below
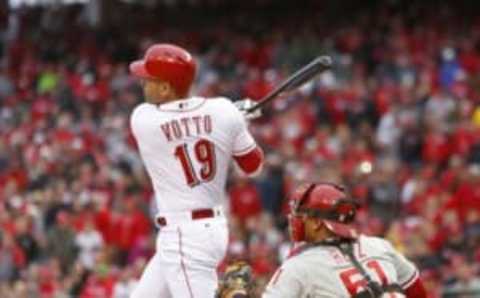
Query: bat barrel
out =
(300, 77)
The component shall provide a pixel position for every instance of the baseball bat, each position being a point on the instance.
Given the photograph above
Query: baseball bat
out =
(297, 79)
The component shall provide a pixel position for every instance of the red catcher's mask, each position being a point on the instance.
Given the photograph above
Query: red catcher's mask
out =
(296, 220)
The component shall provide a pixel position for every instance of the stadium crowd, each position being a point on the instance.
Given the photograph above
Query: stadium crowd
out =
(397, 121)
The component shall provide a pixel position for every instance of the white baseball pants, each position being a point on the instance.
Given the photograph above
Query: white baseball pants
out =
(184, 265)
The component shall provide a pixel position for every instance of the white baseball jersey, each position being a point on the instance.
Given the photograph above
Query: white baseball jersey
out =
(323, 271)
(186, 146)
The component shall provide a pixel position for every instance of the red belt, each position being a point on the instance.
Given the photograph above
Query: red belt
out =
(196, 214)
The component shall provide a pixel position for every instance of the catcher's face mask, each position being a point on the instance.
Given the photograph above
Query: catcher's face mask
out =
(326, 203)
(296, 219)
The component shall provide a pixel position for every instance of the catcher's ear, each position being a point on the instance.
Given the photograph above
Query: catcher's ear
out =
(318, 224)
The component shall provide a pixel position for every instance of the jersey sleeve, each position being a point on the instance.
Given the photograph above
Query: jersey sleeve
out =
(135, 118)
(250, 163)
(285, 283)
(243, 141)
(140, 120)
(406, 271)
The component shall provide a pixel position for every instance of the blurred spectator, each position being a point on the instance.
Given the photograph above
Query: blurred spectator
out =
(25, 239)
(270, 185)
(12, 258)
(61, 241)
(6, 86)
(244, 200)
(89, 241)
(466, 283)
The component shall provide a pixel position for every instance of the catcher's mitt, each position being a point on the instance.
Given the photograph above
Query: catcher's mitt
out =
(236, 282)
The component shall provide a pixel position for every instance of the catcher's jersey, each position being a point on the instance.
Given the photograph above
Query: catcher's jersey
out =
(323, 271)
(186, 146)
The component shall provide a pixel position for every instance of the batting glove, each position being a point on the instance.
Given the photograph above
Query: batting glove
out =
(244, 105)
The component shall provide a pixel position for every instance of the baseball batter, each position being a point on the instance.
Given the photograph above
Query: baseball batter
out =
(333, 260)
(186, 144)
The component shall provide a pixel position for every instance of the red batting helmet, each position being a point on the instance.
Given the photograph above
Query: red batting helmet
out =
(327, 202)
(169, 63)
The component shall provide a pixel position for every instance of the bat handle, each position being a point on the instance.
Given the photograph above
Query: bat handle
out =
(259, 105)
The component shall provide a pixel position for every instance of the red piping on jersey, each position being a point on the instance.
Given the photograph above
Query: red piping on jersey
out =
(276, 276)
(182, 263)
(251, 161)
(410, 280)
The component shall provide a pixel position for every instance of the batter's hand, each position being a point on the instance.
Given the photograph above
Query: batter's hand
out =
(245, 104)
(236, 282)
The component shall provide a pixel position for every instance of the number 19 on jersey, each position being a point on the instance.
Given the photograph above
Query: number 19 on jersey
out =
(204, 153)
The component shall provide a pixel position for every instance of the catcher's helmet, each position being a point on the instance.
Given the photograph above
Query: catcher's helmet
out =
(327, 202)
(169, 63)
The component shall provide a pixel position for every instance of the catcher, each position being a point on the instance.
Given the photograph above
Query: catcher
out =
(332, 260)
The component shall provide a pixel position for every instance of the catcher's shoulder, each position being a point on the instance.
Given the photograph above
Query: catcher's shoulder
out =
(299, 257)
(373, 240)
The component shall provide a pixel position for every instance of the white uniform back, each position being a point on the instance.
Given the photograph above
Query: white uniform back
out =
(323, 271)
(187, 146)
